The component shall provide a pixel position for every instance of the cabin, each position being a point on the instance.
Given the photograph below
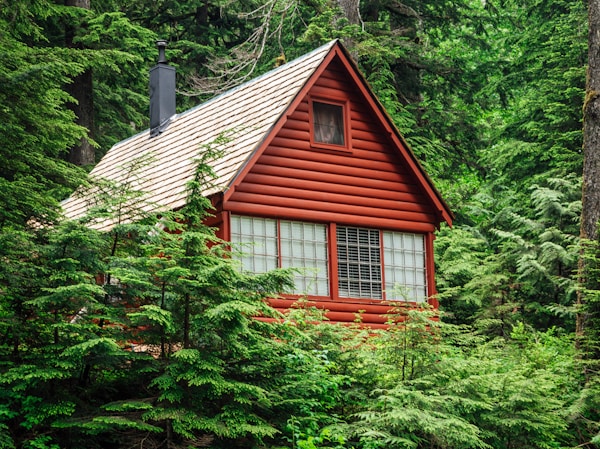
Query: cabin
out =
(311, 173)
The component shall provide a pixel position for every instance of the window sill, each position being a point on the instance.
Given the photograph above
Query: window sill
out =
(330, 147)
(358, 301)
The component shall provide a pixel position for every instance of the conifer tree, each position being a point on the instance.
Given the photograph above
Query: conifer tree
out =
(590, 214)
(588, 300)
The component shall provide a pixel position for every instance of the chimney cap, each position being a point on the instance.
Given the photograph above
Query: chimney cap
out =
(161, 44)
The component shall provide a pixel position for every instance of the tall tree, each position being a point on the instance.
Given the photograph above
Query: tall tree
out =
(36, 128)
(590, 213)
(588, 298)
(81, 89)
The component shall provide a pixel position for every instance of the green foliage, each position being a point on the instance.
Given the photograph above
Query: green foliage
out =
(460, 256)
(125, 52)
(519, 263)
(35, 126)
(491, 396)
(143, 335)
(405, 418)
(584, 411)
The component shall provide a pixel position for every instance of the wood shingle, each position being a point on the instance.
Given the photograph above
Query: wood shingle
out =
(274, 173)
(244, 115)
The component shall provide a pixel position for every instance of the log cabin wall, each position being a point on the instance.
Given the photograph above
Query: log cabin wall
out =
(367, 185)
(271, 167)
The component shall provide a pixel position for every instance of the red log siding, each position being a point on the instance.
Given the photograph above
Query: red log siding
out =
(345, 312)
(430, 270)
(368, 186)
(220, 223)
(375, 316)
(217, 218)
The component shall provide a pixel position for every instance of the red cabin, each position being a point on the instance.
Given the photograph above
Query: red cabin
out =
(312, 175)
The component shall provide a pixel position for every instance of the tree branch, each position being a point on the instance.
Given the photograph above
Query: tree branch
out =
(242, 60)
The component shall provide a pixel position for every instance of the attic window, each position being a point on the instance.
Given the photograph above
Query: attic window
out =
(328, 124)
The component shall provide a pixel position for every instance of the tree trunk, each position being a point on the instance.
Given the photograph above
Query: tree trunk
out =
(186, 322)
(81, 89)
(590, 213)
(351, 11)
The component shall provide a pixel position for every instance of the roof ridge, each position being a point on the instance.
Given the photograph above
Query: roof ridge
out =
(259, 78)
(205, 103)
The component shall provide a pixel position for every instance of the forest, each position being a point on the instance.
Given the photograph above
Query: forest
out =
(497, 98)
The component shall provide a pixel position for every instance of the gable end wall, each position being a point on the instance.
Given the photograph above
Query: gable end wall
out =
(368, 186)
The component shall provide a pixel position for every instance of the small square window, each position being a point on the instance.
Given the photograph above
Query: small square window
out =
(328, 122)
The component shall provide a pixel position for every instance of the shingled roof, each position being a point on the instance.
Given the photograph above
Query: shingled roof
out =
(244, 115)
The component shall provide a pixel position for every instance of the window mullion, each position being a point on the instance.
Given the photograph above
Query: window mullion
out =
(278, 243)
(382, 264)
(333, 261)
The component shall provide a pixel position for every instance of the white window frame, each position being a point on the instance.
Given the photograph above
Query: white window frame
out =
(284, 244)
(405, 266)
(390, 265)
(304, 247)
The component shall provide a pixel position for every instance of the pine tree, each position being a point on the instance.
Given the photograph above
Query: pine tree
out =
(588, 300)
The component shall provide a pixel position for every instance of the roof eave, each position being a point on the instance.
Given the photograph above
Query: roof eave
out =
(278, 124)
(442, 209)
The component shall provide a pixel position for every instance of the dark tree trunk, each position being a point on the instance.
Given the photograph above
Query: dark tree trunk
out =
(81, 89)
(588, 310)
(590, 213)
(351, 11)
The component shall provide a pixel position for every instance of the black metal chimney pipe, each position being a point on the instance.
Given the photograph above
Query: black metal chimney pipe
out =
(162, 92)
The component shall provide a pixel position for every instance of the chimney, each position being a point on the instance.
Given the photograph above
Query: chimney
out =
(162, 92)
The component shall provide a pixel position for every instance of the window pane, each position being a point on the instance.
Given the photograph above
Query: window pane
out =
(286, 249)
(307, 243)
(257, 242)
(302, 246)
(359, 264)
(404, 260)
(328, 121)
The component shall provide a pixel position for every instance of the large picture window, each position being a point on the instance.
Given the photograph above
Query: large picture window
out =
(404, 256)
(371, 263)
(266, 244)
(304, 246)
